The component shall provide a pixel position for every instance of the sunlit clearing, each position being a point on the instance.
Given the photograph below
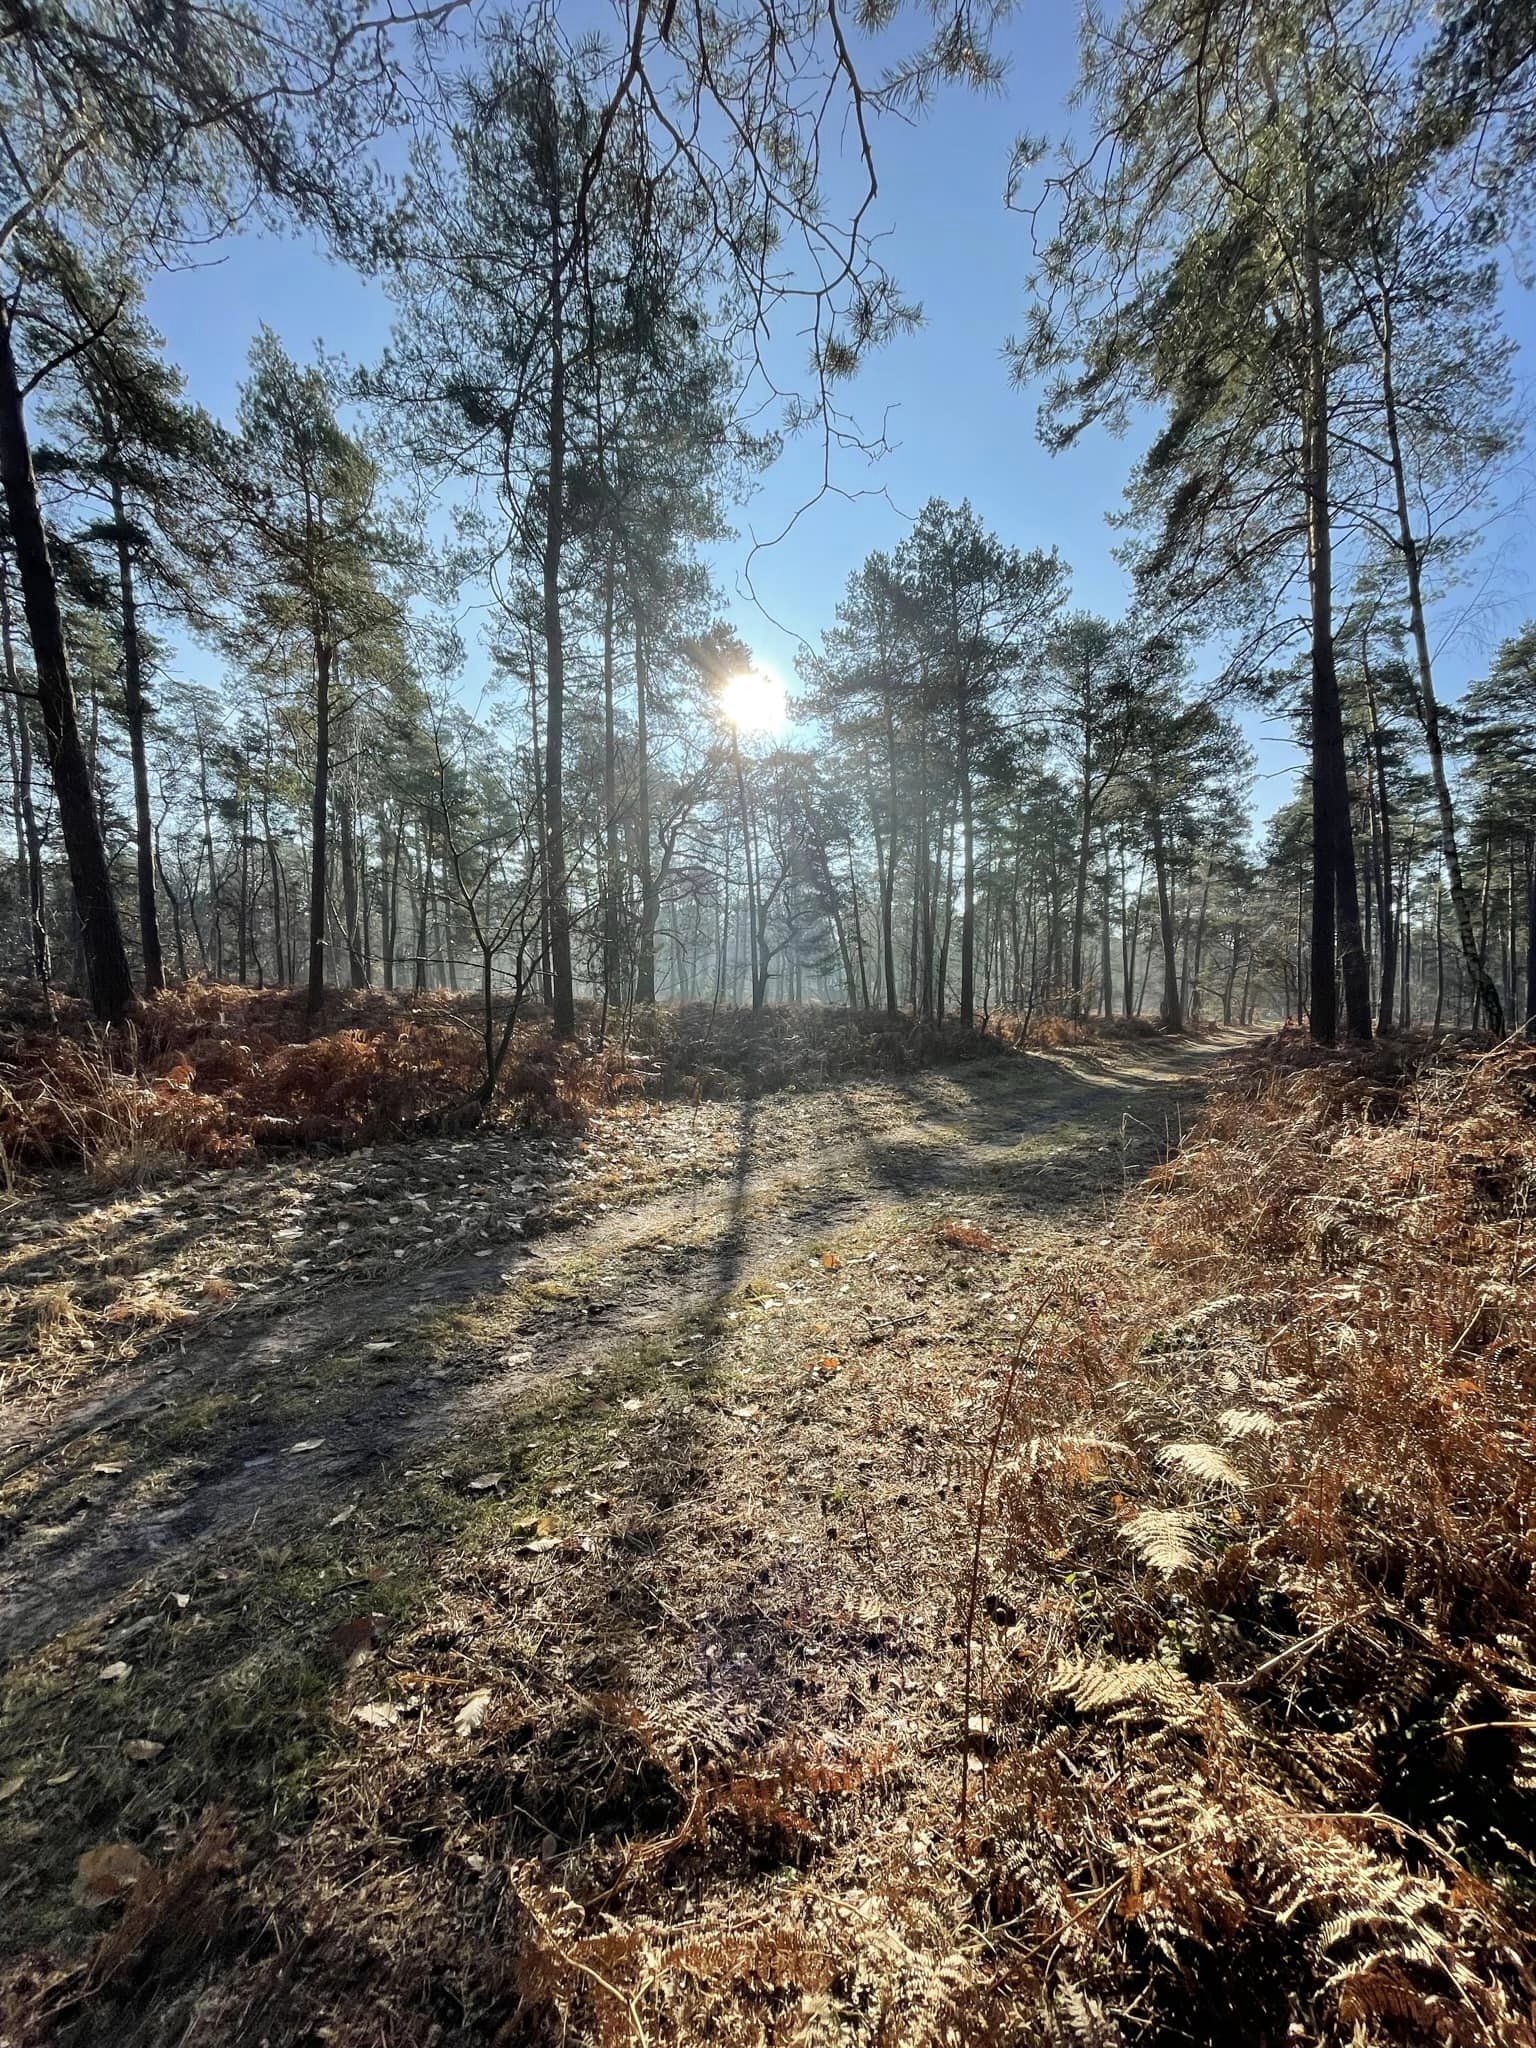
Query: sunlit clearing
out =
(753, 701)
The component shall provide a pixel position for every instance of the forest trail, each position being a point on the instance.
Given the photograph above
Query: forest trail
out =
(304, 1405)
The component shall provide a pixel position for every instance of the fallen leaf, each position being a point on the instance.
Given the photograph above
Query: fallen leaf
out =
(351, 1639)
(538, 1545)
(10, 1788)
(632, 1405)
(471, 1713)
(114, 1674)
(377, 1714)
(486, 1482)
(107, 1871)
(830, 1262)
(310, 1443)
(107, 1471)
(141, 1750)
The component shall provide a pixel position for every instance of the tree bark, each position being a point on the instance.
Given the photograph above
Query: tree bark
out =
(31, 841)
(1386, 1002)
(610, 802)
(346, 820)
(108, 979)
(650, 893)
(1429, 707)
(1173, 1010)
(1335, 883)
(967, 882)
(134, 708)
(562, 986)
(1080, 890)
(319, 812)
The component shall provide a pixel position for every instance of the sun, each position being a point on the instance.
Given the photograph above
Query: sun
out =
(752, 700)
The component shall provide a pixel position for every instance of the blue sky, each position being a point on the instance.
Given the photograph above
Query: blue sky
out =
(959, 427)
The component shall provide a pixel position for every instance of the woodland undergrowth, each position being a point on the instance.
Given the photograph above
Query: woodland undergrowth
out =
(1258, 1686)
(1193, 1698)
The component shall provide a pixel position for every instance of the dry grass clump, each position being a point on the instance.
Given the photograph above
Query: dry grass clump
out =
(1268, 1733)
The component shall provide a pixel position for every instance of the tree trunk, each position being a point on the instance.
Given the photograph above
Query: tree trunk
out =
(1173, 1013)
(133, 707)
(562, 985)
(1387, 998)
(357, 975)
(967, 877)
(1429, 707)
(1080, 891)
(174, 901)
(31, 843)
(1335, 884)
(888, 878)
(319, 812)
(650, 894)
(1231, 981)
(1193, 1007)
(611, 992)
(109, 982)
(1107, 991)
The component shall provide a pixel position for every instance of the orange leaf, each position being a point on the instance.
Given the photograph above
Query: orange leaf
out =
(107, 1871)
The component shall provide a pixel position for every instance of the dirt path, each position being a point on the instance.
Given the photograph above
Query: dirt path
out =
(288, 1411)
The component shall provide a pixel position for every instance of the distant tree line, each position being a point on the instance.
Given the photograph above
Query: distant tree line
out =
(1278, 234)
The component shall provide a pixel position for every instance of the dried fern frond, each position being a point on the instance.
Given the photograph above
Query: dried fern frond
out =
(1164, 1538)
(1202, 1462)
(1082, 2020)
(1238, 1423)
(1108, 1685)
